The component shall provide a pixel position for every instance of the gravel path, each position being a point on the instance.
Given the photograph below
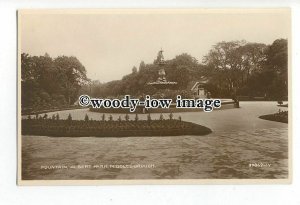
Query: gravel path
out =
(241, 146)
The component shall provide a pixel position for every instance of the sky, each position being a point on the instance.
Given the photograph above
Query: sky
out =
(109, 44)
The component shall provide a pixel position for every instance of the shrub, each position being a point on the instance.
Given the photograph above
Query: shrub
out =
(45, 96)
(171, 116)
(45, 116)
(69, 117)
(127, 117)
(86, 118)
(161, 117)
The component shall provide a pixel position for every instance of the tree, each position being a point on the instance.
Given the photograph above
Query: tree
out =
(270, 80)
(277, 67)
(183, 69)
(48, 82)
(231, 65)
(226, 65)
(134, 70)
(73, 76)
(253, 58)
(29, 70)
(142, 66)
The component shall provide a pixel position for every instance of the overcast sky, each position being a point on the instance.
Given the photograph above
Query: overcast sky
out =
(109, 45)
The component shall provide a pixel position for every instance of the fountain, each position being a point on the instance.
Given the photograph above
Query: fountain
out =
(161, 82)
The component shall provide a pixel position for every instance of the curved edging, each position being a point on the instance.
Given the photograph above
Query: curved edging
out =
(276, 117)
(80, 128)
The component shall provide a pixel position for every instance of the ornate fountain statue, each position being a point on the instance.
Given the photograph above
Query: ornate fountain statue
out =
(161, 82)
(160, 61)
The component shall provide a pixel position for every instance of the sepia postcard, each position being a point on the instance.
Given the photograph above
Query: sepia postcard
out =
(154, 96)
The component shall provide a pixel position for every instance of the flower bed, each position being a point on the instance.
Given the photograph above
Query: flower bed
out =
(281, 116)
(81, 128)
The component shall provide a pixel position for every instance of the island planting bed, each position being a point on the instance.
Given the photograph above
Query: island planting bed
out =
(281, 116)
(81, 128)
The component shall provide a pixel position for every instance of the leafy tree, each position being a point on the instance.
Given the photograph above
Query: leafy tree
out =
(142, 66)
(253, 58)
(226, 66)
(252, 69)
(134, 70)
(271, 80)
(182, 69)
(234, 67)
(277, 64)
(73, 76)
(48, 82)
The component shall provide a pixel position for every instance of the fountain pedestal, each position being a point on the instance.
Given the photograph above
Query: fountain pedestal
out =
(161, 82)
